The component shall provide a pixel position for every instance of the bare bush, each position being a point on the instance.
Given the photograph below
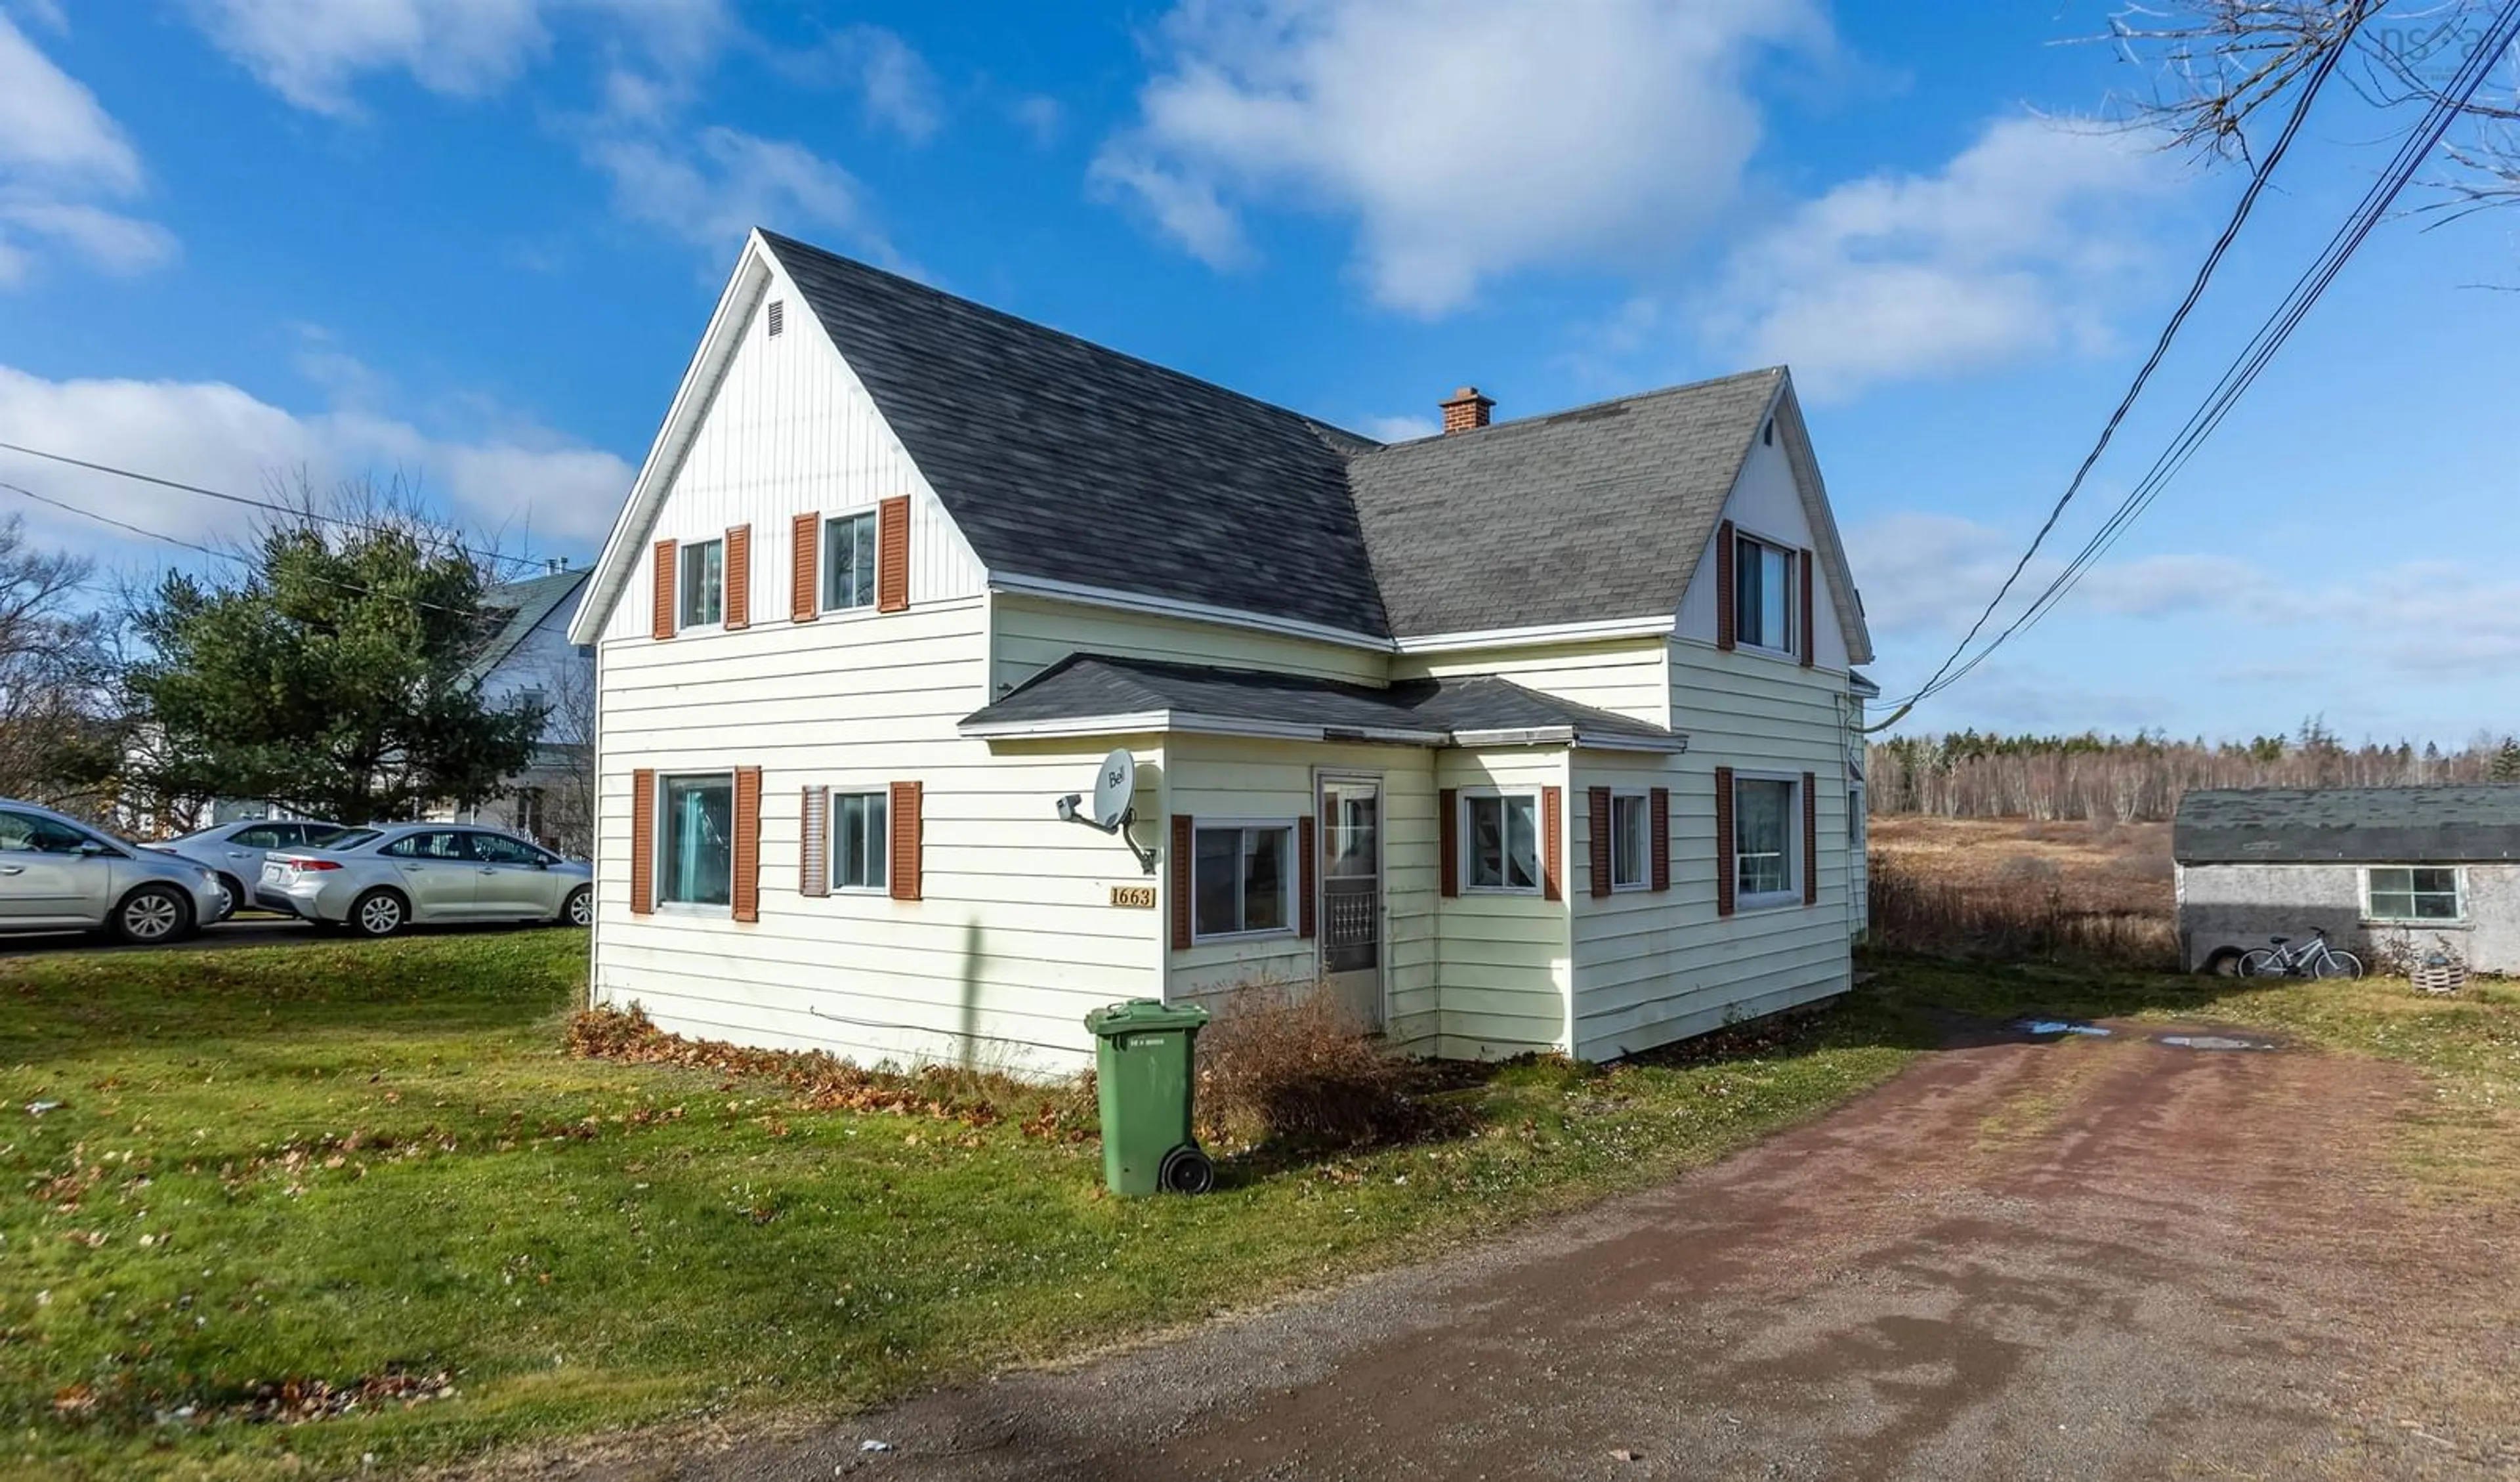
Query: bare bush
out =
(1285, 1063)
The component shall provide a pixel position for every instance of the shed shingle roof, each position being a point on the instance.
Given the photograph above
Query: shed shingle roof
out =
(2372, 826)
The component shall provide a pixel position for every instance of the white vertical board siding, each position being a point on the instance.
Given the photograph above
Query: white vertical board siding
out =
(1625, 676)
(1221, 777)
(790, 430)
(1015, 938)
(1651, 969)
(1502, 965)
(1034, 633)
(1765, 501)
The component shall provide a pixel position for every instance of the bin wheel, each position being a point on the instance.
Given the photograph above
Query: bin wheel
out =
(1186, 1170)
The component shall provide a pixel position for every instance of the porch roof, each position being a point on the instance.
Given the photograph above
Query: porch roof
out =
(1103, 695)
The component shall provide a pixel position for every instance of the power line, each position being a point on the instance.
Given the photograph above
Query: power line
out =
(239, 499)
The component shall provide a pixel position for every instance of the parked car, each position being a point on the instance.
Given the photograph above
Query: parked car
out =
(235, 852)
(58, 874)
(376, 881)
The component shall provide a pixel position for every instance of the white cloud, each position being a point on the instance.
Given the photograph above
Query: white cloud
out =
(898, 90)
(1468, 138)
(511, 480)
(61, 153)
(2010, 249)
(312, 51)
(1402, 429)
(1041, 116)
(720, 185)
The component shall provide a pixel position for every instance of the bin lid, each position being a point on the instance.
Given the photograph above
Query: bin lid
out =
(1139, 1014)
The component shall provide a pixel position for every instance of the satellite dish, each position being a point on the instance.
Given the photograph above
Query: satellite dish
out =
(1115, 783)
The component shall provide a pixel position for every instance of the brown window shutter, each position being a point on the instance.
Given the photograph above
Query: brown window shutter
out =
(739, 577)
(642, 841)
(1182, 827)
(1659, 807)
(1597, 811)
(805, 568)
(1725, 873)
(1811, 839)
(1448, 839)
(909, 839)
(1811, 648)
(892, 554)
(663, 571)
(1553, 844)
(814, 842)
(1726, 547)
(745, 864)
(1307, 876)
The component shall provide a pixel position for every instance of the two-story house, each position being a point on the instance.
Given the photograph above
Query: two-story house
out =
(1530, 735)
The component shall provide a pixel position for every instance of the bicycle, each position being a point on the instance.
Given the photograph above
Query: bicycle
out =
(2314, 958)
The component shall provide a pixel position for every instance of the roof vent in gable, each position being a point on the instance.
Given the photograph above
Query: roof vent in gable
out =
(778, 316)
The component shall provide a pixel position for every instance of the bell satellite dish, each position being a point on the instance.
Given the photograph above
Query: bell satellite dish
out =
(1115, 782)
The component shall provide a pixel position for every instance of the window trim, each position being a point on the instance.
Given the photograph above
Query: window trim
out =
(1791, 648)
(1290, 881)
(1467, 840)
(826, 564)
(1744, 901)
(684, 567)
(2458, 896)
(882, 842)
(1643, 798)
(661, 904)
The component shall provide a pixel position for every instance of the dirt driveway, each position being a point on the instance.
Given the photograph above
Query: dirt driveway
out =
(2078, 1259)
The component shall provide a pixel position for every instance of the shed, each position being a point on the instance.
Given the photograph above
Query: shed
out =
(2388, 871)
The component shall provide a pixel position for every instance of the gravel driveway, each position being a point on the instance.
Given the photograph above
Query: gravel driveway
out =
(2087, 1258)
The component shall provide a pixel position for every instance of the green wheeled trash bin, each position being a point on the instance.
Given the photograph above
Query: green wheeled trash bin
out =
(1144, 1072)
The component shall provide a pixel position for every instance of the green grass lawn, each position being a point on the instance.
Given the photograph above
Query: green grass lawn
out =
(334, 1162)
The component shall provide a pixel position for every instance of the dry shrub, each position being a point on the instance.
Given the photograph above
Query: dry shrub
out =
(1284, 1065)
(2027, 914)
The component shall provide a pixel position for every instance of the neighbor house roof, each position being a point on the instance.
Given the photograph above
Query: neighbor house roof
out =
(2376, 825)
(527, 604)
(1099, 695)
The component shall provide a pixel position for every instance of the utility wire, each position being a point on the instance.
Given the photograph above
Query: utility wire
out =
(274, 505)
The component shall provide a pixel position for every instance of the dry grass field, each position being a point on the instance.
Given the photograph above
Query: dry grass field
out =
(2018, 888)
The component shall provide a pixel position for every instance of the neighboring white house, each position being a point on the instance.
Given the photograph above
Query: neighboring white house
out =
(531, 659)
(1531, 735)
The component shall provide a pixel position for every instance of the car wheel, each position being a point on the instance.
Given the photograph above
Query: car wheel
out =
(579, 910)
(379, 913)
(235, 895)
(151, 915)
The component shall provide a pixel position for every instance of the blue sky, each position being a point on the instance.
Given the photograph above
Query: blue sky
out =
(476, 241)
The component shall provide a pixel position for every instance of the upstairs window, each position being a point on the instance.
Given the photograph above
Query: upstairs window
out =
(704, 583)
(848, 563)
(1763, 594)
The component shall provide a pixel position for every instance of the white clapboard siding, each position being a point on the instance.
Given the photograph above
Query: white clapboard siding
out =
(789, 430)
(1624, 676)
(1015, 938)
(1032, 634)
(1216, 778)
(1765, 501)
(1503, 966)
(1652, 967)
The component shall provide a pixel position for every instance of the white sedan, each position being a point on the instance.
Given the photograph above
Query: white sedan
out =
(376, 881)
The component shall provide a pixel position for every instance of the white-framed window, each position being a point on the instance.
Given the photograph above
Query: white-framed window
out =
(848, 561)
(1243, 879)
(703, 578)
(1767, 825)
(2413, 893)
(1764, 610)
(1500, 841)
(1631, 842)
(861, 841)
(696, 839)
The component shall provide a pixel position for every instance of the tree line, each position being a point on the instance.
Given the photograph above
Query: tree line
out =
(329, 664)
(2141, 779)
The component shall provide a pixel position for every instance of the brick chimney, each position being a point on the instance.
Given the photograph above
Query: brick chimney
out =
(1467, 410)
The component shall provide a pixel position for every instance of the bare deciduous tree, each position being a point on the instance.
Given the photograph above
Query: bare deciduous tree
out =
(56, 677)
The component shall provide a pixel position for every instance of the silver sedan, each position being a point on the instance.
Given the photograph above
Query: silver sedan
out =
(235, 852)
(376, 881)
(59, 874)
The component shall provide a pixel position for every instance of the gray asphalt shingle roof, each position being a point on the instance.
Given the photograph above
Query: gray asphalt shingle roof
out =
(1061, 459)
(1085, 686)
(527, 604)
(2381, 826)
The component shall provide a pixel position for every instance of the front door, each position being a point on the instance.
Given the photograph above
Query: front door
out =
(1351, 872)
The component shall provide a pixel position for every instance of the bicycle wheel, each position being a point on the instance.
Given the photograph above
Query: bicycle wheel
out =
(2338, 963)
(2258, 961)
